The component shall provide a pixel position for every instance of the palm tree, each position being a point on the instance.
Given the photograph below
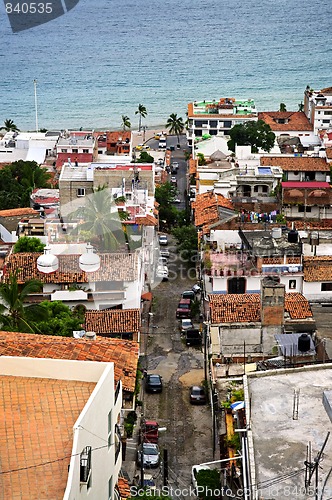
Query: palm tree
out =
(282, 107)
(125, 122)
(142, 112)
(14, 315)
(101, 220)
(175, 125)
(10, 126)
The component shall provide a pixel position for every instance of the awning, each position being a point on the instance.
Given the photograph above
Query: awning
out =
(238, 405)
(146, 296)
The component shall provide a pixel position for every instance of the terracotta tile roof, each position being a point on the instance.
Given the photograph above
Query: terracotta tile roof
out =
(123, 353)
(317, 268)
(296, 120)
(114, 136)
(123, 487)
(206, 207)
(296, 163)
(37, 417)
(297, 306)
(246, 307)
(14, 212)
(329, 153)
(114, 267)
(147, 220)
(322, 224)
(192, 166)
(113, 321)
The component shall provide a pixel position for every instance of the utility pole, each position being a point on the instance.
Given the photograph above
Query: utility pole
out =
(36, 107)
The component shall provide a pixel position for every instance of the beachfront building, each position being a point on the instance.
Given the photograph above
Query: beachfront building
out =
(218, 117)
(28, 146)
(76, 148)
(318, 108)
(72, 410)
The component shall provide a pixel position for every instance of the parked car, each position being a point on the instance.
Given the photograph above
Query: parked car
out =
(193, 337)
(197, 395)
(149, 432)
(164, 253)
(153, 383)
(148, 454)
(173, 180)
(194, 471)
(196, 288)
(188, 294)
(162, 261)
(163, 239)
(186, 324)
(177, 200)
(148, 482)
(184, 309)
(162, 272)
(175, 165)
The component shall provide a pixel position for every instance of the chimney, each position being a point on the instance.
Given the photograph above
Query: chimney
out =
(90, 335)
(272, 301)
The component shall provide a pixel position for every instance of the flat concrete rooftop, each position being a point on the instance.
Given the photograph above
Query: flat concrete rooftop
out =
(280, 441)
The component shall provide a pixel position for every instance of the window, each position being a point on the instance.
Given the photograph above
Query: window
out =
(85, 151)
(326, 287)
(236, 285)
(227, 124)
(301, 209)
(80, 191)
(64, 150)
(292, 284)
(110, 426)
(75, 150)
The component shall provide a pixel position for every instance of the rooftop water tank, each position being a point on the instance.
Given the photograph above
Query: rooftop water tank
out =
(303, 342)
(276, 232)
(293, 236)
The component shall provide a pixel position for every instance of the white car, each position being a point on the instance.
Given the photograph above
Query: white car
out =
(163, 239)
(175, 164)
(162, 272)
(186, 324)
(194, 471)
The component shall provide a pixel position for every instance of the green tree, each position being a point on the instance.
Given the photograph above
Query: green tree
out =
(18, 180)
(29, 244)
(125, 122)
(257, 134)
(165, 195)
(14, 315)
(101, 220)
(145, 157)
(175, 125)
(282, 107)
(142, 112)
(201, 159)
(186, 240)
(59, 319)
(9, 126)
(210, 481)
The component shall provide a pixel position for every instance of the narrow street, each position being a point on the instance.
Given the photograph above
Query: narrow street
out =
(188, 438)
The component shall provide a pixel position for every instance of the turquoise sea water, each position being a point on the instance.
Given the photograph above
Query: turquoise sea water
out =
(104, 57)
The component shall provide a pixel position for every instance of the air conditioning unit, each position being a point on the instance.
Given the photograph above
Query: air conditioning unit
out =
(293, 269)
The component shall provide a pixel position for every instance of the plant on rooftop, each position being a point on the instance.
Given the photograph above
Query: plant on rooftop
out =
(175, 125)
(14, 315)
(9, 126)
(28, 244)
(257, 134)
(201, 159)
(282, 107)
(145, 157)
(142, 112)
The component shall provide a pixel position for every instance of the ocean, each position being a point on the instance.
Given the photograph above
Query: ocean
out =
(104, 57)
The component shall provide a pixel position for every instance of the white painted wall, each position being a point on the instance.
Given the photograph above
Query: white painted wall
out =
(312, 291)
(91, 429)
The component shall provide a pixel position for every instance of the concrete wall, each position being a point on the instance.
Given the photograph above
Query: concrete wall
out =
(95, 427)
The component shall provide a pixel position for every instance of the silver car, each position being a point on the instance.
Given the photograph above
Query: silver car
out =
(151, 455)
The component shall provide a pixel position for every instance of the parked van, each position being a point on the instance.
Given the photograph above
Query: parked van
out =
(162, 142)
(184, 309)
(193, 337)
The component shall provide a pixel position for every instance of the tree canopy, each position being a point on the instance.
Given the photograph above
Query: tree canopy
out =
(28, 244)
(59, 319)
(142, 112)
(175, 125)
(18, 180)
(145, 157)
(257, 134)
(9, 126)
(186, 239)
(125, 122)
(165, 195)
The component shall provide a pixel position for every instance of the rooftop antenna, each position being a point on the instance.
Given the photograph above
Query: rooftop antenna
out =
(36, 107)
